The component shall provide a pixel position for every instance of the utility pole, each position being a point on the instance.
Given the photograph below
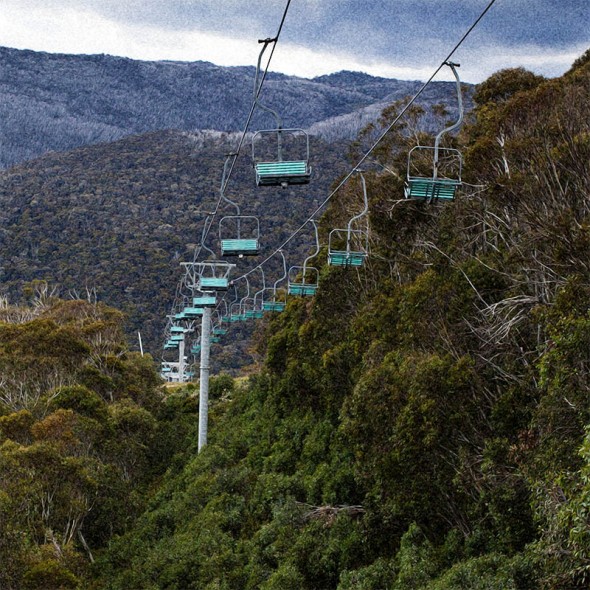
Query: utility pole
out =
(204, 377)
(208, 277)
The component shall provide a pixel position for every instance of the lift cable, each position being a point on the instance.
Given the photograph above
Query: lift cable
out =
(364, 157)
(258, 90)
(210, 217)
(379, 140)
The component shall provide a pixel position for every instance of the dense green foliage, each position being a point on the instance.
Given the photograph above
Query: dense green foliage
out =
(420, 424)
(81, 428)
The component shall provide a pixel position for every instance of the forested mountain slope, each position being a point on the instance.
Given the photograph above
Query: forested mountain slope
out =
(117, 219)
(54, 102)
(420, 423)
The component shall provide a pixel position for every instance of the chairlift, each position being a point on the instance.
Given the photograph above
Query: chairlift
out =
(165, 371)
(232, 311)
(239, 235)
(235, 312)
(446, 163)
(223, 315)
(256, 309)
(304, 280)
(280, 156)
(217, 328)
(213, 283)
(248, 309)
(205, 300)
(214, 276)
(349, 247)
(195, 341)
(192, 312)
(275, 304)
(210, 275)
(247, 303)
(258, 299)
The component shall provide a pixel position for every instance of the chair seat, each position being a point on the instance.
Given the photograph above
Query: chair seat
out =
(239, 247)
(214, 283)
(193, 312)
(302, 289)
(273, 306)
(204, 301)
(430, 189)
(343, 258)
(278, 173)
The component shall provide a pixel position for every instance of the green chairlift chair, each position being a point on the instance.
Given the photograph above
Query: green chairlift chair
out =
(349, 247)
(304, 280)
(444, 165)
(280, 156)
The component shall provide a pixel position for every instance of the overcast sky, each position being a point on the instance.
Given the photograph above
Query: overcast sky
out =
(393, 38)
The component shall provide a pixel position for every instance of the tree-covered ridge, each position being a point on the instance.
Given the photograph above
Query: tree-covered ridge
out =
(57, 102)
(116, 220)
(421, 423)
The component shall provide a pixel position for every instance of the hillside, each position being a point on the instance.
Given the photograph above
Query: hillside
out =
(53, 102)
(117, 219)
(421, 423)
(81, 427)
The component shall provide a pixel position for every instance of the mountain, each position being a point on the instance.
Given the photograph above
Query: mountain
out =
(116, 219)
(420, 423)
(54, 102)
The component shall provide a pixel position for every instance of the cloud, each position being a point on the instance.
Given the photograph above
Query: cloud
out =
(405, 38)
